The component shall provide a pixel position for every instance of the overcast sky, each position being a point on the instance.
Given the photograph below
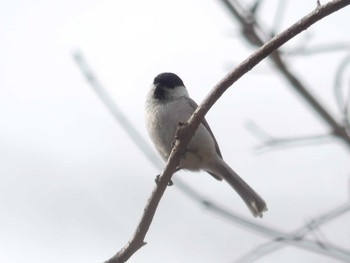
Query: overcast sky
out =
(73, 184)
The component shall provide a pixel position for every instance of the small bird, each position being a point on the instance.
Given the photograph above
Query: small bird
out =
(169, 104)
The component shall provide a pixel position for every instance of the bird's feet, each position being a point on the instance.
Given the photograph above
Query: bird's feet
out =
(170, 183)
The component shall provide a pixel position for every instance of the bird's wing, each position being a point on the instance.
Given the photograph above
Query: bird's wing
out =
(194, 105)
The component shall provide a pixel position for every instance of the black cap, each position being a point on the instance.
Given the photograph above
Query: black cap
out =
(167, 79)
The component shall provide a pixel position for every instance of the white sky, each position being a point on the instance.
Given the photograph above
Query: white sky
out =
(72, 183)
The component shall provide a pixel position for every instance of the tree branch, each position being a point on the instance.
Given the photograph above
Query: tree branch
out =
(187, 130)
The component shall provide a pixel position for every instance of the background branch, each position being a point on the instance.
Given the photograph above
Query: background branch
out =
(299, 234)
(295, 239)
(315, 50)
(269, 142)
(257, 37)
(338, 87)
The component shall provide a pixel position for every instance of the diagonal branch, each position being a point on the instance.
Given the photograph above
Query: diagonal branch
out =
(114, 110)
(186, 131)
(342, 99)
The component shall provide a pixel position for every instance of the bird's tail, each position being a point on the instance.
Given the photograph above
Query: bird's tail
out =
(254, 202)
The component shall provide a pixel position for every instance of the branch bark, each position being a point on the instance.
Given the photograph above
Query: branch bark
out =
(187, 130)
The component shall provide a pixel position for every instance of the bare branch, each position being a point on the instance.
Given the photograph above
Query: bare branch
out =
(256, 6)
(247, 20)
(186, 131)
(115, 111)
(342, 102)
(299, 234)
(270, 142)
(347, 114)
(137, 240)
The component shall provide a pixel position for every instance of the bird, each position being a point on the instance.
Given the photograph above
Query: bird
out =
(168, 104)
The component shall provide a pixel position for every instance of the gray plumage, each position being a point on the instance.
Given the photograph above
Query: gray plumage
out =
(168, 103)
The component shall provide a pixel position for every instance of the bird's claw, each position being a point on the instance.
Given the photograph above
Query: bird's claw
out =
(170, 183)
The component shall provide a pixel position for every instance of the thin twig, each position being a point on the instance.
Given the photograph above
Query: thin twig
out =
(339, 75)
(347, 113)
(186, 131)
(298, 234)
(316, 50)
(342, 102)
(271, 143)
(254, 8)
(115, 111)
(292, 239)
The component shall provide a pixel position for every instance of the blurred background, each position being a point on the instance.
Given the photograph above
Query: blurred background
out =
(73, 184)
